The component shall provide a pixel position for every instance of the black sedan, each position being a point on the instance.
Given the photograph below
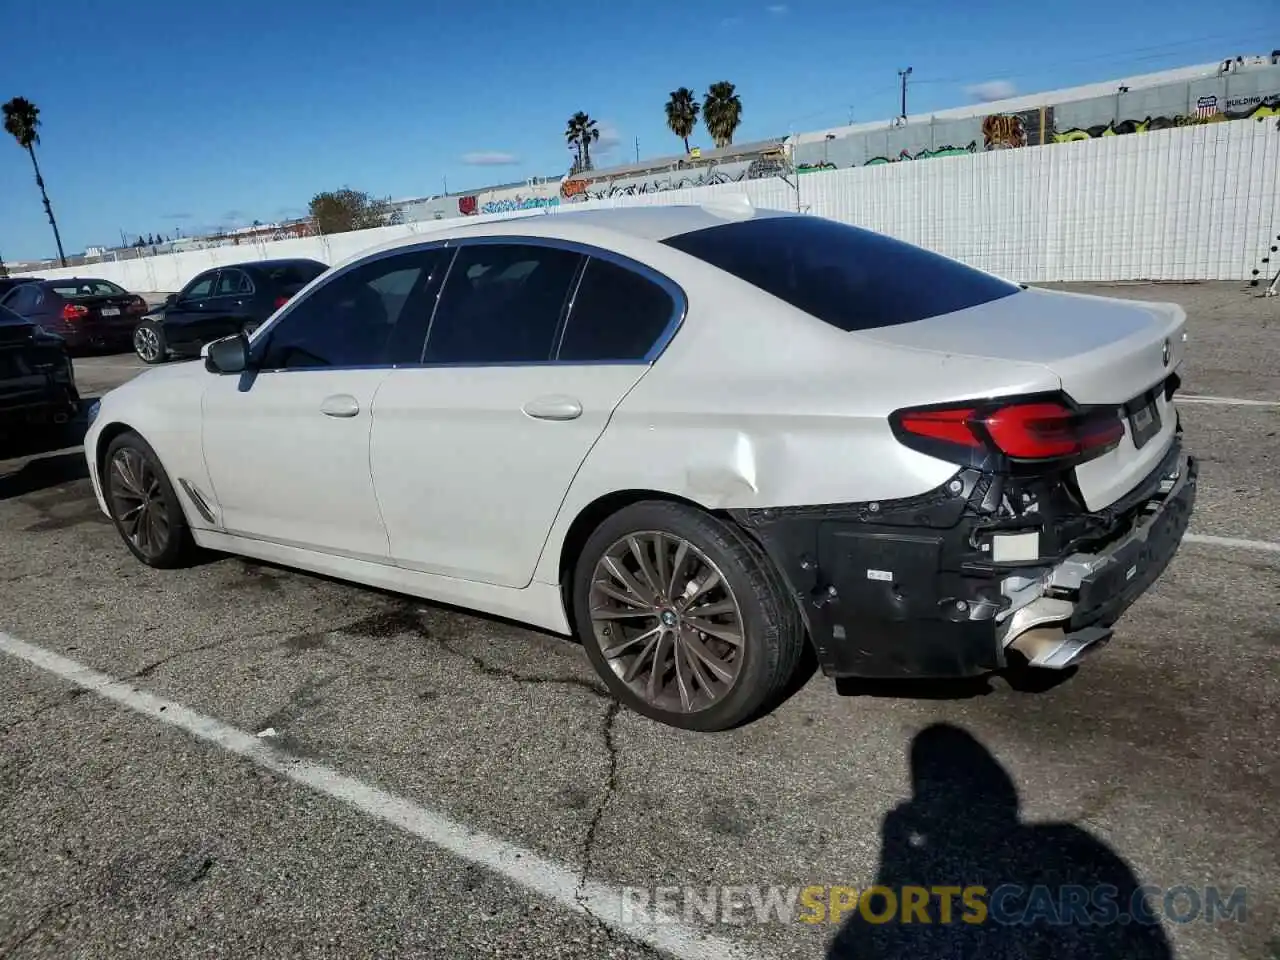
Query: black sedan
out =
(37, 383)
(88, 313)
(237, 298)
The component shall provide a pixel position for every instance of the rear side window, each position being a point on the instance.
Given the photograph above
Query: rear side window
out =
(87, 288)
(502, 303)
(292, 276)
(232, 282)
(851, 278)
(617, 315)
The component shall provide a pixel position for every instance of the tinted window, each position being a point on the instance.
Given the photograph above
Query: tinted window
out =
(851, 278)
(231, 283)
(617, 315)
(200, 287)
(24, 299)
(502, 303)
(87, 288)
(374, 314)
(290, 277)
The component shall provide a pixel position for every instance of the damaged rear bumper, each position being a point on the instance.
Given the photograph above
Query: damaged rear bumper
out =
(899, 590)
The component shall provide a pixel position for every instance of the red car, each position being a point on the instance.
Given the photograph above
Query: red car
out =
(89, 314)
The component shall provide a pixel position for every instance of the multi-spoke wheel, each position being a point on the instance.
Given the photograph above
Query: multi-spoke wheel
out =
(684, 617)
(149, 342)
(143, 504)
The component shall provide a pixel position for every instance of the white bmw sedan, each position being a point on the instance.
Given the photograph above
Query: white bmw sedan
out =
(701, 440)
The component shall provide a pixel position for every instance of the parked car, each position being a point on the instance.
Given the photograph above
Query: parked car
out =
(225, 300)
(698, 438)
(88, 313)
(37, 381)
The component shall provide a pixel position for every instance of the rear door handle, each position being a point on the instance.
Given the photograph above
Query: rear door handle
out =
(340, 405)
(555, 407)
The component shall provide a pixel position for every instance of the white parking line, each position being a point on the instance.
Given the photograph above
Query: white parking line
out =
(1225, 401)
(555, 881)
(1266, 546)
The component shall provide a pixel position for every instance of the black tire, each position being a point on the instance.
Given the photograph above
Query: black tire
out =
(146, 355)
(772, 631)
(178, 548)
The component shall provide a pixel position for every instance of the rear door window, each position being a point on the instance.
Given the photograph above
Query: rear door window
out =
(502, 303)
(617, 315)
(851, 278)
(232, 283)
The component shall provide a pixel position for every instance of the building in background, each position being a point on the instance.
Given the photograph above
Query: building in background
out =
(1232, 89)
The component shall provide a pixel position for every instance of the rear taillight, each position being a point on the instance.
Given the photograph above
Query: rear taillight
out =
(1021, 430)
(73, 311)
(281, 301)
(136, 305)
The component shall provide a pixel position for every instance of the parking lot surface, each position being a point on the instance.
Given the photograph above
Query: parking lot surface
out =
(283, 767)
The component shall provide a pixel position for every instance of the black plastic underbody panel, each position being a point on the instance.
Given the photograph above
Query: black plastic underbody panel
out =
(902, 589)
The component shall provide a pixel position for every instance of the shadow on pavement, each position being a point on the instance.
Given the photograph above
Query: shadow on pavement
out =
(1051, 890)
(40, 473)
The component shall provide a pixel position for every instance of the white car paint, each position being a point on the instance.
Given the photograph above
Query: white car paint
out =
(442, 486)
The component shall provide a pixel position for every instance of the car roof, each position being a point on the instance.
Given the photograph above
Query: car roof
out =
(598, 226)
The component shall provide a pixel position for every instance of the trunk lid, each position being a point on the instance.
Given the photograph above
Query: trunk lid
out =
(1103, 351)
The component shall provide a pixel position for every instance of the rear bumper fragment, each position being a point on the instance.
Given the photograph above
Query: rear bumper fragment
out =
(898, 589)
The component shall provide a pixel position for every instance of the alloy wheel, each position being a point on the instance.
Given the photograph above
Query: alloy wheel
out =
(667, 621)
(138, 502)
(147, 344)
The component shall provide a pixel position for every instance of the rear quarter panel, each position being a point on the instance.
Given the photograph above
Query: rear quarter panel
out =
(755, 404)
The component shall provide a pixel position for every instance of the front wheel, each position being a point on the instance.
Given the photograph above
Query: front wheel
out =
(143, 504)
(149, 342)
(684, 618)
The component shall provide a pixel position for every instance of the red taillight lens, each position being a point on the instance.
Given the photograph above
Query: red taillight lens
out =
(1044, 431)
(73, 311)
(137, 305)
(1027, 430)
(281, 301)
(950, 425)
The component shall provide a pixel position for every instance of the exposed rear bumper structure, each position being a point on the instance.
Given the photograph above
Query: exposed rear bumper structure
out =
(902, 589)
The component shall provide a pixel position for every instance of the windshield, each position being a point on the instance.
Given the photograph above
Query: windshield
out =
(851, 278)
(87, 288)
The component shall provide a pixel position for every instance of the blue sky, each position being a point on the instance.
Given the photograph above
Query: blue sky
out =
(161, 115)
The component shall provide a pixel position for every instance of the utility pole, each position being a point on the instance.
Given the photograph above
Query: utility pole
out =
(637, 149)
(4, 271)
(903, 74)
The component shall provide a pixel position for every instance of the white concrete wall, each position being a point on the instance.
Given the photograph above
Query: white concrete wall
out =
(1195, 203)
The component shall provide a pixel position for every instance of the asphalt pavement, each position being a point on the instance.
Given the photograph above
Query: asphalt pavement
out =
(240, 760)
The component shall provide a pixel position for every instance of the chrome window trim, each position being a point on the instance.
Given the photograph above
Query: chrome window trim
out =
(588, 251)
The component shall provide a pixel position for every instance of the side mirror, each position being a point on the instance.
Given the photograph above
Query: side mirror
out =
(170, 300)
(228, 355)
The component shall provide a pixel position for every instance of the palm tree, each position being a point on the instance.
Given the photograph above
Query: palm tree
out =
(21, 120)
(682, 114)
(581, 133)
(722, 112)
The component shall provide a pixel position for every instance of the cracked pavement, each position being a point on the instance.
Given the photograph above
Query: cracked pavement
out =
(123, 837)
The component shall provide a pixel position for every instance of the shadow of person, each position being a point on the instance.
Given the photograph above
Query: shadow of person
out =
(1048, 890)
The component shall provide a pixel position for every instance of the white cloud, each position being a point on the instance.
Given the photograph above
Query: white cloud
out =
(992, 90)
(610, 139)
(778, 8)
(490, 158)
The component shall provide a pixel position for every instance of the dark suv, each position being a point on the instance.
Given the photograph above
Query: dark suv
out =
(237, 298)
(37, 383)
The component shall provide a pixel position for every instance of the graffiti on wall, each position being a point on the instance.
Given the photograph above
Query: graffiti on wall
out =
(1210, 109)
(516, 203)
(945, 151)
(577, 190)
(1003, 131)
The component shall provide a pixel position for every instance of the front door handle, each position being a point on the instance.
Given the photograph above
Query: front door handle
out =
(340, 405)
(556, 407)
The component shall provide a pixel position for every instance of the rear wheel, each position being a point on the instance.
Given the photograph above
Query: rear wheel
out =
(684, 618)
(143, 504)
(149, 342)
